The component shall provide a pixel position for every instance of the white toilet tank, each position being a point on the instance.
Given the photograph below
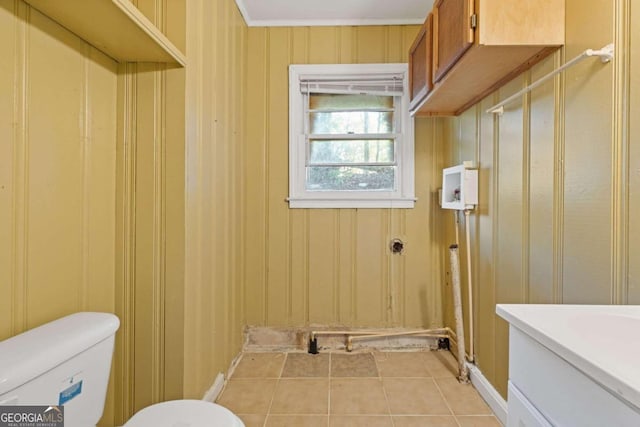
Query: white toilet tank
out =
(64, 362)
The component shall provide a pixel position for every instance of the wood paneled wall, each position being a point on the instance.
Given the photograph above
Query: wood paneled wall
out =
(629, 130)
(332, 266)
(97, 210)
(57, 174)
(150, 239)
(559, 217)
(150, 227)
(216, 46)
(91, 195)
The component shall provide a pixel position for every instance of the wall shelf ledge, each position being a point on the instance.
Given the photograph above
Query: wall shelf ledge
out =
(115, 27)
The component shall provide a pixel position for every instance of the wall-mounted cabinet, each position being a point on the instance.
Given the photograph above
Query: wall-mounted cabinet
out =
(453, 34)
(420, 70)
(480, 45)
(115, 27)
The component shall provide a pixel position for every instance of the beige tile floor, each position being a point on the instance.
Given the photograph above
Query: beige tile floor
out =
(379, 389)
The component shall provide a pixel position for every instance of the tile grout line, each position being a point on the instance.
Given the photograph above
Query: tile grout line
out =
(382, 359)
(284, 363)
(446, 402)
(266, 418)
(384, 391)
(329, 392)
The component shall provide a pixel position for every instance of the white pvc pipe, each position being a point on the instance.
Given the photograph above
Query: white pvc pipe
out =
(463, 373)
(469, 355)
(469, 285)
(379, 332)
(431, 333)
(372, 334)
(315, 333)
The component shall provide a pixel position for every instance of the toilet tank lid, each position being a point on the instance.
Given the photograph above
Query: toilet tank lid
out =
(36, 351)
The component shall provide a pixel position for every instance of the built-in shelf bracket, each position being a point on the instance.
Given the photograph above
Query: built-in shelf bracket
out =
(605, 54)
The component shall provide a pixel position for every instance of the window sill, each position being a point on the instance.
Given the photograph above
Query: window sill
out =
(335, 203)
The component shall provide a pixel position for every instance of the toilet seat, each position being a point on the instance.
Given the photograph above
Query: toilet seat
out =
(184, 413)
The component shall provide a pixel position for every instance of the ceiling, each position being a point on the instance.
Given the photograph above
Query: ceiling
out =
(269, 13)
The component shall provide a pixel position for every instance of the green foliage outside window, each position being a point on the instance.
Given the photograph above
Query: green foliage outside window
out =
(351, 145)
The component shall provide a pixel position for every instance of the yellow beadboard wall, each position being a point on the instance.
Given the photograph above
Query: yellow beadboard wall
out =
(216, 46)
(559, 213)
(57, 174)
(150, 292)
(91, 195)
(332, 266)
(104, 205)
(150, 239)
(632, 68)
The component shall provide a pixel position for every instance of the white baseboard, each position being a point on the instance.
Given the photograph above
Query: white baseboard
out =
(214, 391)
(488, 393)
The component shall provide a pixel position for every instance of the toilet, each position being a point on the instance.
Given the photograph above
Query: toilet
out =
(67, 362)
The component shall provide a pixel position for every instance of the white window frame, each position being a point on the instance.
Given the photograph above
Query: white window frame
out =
(299, 196)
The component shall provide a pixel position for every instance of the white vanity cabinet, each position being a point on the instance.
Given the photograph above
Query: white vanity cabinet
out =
(569, 367)
(521, 411)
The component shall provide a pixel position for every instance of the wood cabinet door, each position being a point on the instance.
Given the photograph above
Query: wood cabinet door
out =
(453, 33)
(420, 60)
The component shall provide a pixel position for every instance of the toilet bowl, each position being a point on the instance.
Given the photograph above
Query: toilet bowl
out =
(67, 362)
(183, 413)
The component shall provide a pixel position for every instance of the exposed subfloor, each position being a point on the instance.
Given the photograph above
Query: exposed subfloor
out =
(372, 389)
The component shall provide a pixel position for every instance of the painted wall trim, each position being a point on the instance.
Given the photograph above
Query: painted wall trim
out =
(495, 401)
(216, 388)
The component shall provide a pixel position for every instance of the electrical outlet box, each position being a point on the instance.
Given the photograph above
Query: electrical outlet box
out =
(459, 188)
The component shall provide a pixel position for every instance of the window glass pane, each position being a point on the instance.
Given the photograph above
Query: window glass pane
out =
(337, 178)
(351, 151)
(358, 122)
(341, 114)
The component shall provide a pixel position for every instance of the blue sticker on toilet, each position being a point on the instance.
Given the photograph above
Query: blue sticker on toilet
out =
(72, 388)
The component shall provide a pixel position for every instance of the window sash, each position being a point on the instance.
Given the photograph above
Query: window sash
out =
(351, 137)
(348, 165)
(349, 187)
(308, 137)
(350, 110)
(307, 112)
(402, 195)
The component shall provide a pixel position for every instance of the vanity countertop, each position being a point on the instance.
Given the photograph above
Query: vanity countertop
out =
(602, 341)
